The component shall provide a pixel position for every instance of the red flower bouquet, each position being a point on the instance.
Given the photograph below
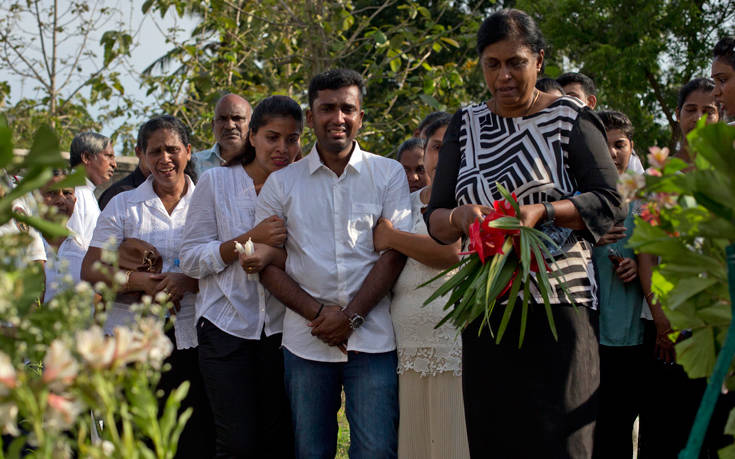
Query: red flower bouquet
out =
(502, 255)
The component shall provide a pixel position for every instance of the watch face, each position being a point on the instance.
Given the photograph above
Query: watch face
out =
(357, 320)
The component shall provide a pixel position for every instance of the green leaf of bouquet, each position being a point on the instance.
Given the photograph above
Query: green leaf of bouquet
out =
(524, 312)
(544, 288)
(697, 353)
(506, 223)
(687, 288)
(730, 425)
(525, 254)
(455, 280)
(508, 197)
(512, 298)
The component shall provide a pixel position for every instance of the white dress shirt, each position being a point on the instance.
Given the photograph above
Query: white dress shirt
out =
(86, 212)
(330, 223)
(140, 214)
(63, 267)
(34, 251)
(223, 208)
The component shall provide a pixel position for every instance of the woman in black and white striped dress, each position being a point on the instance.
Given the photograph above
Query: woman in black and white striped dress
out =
(537, 401)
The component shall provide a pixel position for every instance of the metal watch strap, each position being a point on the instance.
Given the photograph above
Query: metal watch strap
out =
(550, 213)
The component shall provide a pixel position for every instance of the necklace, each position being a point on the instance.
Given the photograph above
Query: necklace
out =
(536, 95)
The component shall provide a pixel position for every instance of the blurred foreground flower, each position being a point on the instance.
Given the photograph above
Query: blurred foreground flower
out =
(59, 367)
(7, 375)
(62, 411)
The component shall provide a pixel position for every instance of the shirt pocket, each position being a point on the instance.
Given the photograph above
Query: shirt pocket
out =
(363, 218)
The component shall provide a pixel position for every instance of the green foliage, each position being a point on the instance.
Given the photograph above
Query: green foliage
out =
(415, 58)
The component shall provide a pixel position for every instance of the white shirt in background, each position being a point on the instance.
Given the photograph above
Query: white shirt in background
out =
(63, 267)
(35, 250)
(86, 211)
(222, 208)
(140, 214)
(330, 223)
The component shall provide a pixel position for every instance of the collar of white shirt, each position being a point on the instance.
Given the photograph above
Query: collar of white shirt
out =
(89, 184)
(357, 159)
(145, 192)
(205, 155)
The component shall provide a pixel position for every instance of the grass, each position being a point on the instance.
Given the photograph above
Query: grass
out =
(343, 436)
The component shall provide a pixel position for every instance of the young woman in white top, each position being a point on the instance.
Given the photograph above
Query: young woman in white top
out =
(239, 338)
(155, 212)
(432, 422)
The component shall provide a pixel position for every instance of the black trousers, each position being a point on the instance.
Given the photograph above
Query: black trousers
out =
(539, 401)
(244, 382)
(197, 438)
(622, 374)
(670, 406)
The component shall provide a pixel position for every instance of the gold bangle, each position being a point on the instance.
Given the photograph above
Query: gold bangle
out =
(450, 216)
(126, 286)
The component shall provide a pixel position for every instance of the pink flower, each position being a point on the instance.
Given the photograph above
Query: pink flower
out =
(657, 157)
(8, 378)
(629, 184)
(653, 172)
(665, 200)
(8, 415)
(59, 367)
(62, 411)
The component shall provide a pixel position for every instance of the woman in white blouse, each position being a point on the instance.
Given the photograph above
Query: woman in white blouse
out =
(239, 338)
(155, 212)
(429, 359)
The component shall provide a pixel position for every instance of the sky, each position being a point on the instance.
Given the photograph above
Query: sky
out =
(149, 44)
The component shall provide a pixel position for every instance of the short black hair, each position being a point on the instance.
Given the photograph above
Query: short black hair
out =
(549, 84)
(697, 84)
(588, 85)
(268, 108)
(410, 144)
(430, 118)
(725, 48)
(335, 79)
(613, 119)
(510, 23)
(89, 142)
(437, 124)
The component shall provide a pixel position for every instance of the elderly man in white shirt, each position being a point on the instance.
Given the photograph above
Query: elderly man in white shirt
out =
(337, 330)
(230, 127)
(95, 152)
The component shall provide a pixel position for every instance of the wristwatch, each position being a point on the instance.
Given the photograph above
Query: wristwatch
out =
(355, 319)
(550, 213)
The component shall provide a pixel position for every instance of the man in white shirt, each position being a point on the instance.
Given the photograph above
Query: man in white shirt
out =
(230, 127)
(64, 254)
(337, 330)
(95, 152)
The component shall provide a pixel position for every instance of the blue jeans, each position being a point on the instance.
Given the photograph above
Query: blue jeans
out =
(371, 391)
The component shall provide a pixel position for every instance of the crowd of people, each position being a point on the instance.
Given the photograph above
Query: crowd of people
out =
(327, 303)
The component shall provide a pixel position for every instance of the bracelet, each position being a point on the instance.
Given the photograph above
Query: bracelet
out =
(319, 311)
(450, 216)
(649, 295)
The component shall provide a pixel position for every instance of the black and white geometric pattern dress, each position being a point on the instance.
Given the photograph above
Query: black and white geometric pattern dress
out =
(541, 158)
